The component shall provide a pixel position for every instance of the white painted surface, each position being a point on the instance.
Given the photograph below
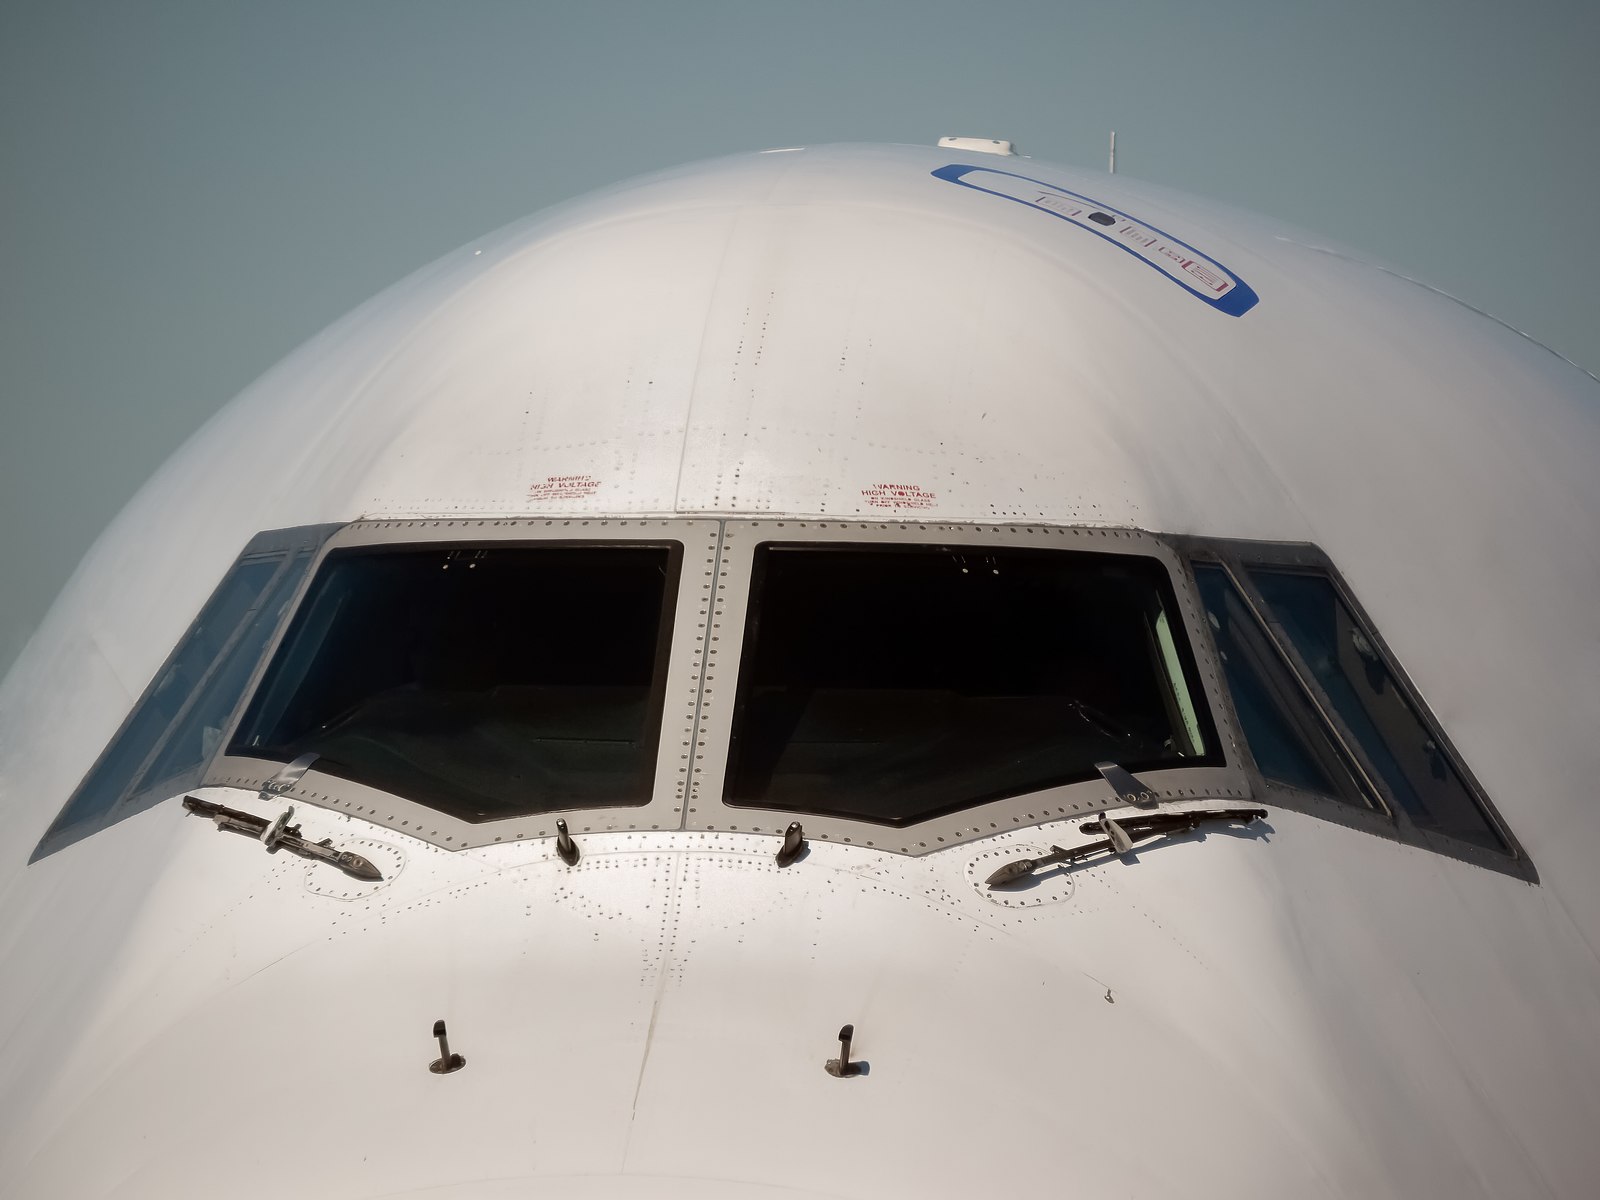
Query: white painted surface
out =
(819, 333)
(976, 145)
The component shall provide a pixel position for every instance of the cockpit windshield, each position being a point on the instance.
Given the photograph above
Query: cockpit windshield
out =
(895, 683)
(468, 680)
(485, 682)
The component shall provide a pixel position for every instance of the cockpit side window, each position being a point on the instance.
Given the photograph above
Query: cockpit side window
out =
(1326, 711)
(482, 681)
(894, 683)
(172, 733)
(1346, 664)
(1288, 740)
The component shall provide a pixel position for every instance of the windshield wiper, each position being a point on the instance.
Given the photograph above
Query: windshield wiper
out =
(1120, 834)
(280, 835)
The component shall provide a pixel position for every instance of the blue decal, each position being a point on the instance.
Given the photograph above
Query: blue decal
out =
(1194, 272)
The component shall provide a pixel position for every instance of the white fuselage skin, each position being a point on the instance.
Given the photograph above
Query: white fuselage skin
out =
(1320, 1012)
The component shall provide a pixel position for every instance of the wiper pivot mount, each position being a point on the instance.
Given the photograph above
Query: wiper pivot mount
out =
(278, 835)
(1120, 834)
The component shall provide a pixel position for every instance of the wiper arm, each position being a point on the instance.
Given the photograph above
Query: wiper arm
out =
(1120, 834)
(1021, 868)
(1148, 824)
(280, 835)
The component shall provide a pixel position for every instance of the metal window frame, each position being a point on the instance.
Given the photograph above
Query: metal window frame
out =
(713, 597)
(1388, 818)
(139, 793)
(708, 811)
(699, 542)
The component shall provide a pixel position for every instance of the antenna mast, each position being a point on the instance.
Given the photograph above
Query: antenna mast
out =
(1113, 151)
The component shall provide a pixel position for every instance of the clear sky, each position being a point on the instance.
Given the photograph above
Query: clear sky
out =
(190, 189)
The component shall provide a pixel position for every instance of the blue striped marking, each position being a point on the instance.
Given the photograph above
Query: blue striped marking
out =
(1196, 273)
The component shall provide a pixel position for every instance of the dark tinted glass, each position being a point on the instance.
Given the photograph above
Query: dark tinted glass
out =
(1363, 691)
(1285, 735)
(485, 682)
(896, 684)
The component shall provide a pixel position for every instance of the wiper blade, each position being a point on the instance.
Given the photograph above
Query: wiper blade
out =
(1120, 834)
(1148, 824)
(280, 835)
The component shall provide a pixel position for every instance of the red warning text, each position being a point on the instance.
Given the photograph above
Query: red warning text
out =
(898, 496)
(564, 487)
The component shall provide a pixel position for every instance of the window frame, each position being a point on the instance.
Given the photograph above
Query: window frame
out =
(709, 624)
(697, 540)
(1387, 818)
(709, 812)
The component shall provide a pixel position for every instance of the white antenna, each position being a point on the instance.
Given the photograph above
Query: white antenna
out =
(1113, 151)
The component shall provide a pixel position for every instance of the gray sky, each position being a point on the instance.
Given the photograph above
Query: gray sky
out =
(189, 190)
